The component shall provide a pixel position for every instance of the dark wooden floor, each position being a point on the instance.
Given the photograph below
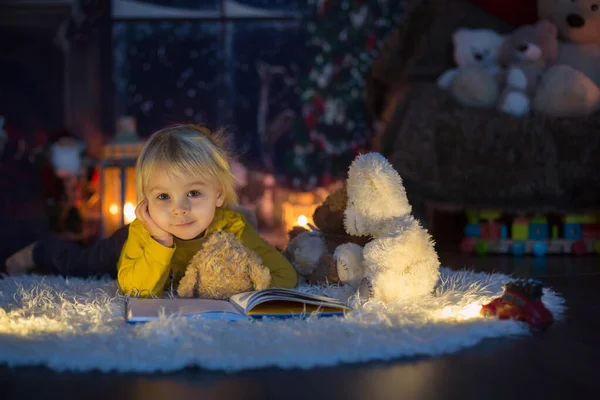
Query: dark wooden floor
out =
(559, 363)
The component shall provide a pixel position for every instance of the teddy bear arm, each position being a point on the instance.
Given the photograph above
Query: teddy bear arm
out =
(260, 276)
(514, 102)
(445, 80)
(349, 263)
(308, 249)
(188, 283)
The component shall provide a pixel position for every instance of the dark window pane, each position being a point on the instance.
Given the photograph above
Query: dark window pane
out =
(263, 7)
(167, 72)
(267, 61)
(189, 4)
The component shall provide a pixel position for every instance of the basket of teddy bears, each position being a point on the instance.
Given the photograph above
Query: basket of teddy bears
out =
(492, 106)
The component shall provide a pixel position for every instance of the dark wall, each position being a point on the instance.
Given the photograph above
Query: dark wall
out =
(31, 83)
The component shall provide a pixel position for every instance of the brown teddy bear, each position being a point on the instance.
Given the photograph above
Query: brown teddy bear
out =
(312, 252)
(572, 86)
(527, 53)
(223, 267)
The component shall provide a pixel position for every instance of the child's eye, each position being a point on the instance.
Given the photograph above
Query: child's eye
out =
(162, 196)
(194, 193)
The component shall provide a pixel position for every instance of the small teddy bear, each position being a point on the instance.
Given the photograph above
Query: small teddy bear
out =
(223, 267)
(527, 52)
(312, 253)
(473, 47)
(475, 80)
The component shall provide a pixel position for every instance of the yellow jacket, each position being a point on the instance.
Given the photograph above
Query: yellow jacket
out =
(146, 266)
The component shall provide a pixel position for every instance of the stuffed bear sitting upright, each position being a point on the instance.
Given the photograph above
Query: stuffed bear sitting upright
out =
(527, 53)
(572, 86)
(398, 260)
(476, 54)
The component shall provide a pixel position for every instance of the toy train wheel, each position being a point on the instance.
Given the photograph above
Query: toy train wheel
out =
(579, 248)
(518, 248)
(539, 248)
(482, 248)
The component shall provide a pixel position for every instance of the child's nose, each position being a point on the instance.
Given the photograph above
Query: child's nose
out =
(181, 208)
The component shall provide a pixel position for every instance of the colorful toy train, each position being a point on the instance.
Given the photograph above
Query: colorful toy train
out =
(576, 234)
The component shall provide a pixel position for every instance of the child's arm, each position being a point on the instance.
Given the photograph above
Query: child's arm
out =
(143, 267)
(283, 274)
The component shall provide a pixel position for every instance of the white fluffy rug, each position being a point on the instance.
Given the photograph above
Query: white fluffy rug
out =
(78, 324)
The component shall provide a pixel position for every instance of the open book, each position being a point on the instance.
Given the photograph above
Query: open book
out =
(273, 302)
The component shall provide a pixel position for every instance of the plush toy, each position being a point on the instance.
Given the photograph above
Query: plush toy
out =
(476, 54)
(571, 87)
(223, 267)
(313, 252)
(527, 52)
(398, 260)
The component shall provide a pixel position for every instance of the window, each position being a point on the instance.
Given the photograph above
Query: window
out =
(201, 61)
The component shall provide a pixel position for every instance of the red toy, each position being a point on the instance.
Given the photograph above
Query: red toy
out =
(520, 301)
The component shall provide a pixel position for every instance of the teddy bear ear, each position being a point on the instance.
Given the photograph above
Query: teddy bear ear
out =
(547, 28)
(460, 35)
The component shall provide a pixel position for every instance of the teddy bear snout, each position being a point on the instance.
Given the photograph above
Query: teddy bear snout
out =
(529, 51)
(575, 20)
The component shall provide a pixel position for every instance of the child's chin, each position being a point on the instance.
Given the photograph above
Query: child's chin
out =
(188, 235)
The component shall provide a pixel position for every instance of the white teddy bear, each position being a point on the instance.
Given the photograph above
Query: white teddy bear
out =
(400, 261)
(473, 47)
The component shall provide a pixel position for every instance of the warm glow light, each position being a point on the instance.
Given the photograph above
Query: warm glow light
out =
(113, 209)
(467, 312)
(302, 220)
(129, 211)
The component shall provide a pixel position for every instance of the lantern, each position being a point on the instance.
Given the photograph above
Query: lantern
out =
(118, 194)
(298, 209)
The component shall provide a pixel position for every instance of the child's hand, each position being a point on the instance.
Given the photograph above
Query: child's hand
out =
(160, 235)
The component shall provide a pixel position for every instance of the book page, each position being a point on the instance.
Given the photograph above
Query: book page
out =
(142, 310)
(289, 308)
(249, 300)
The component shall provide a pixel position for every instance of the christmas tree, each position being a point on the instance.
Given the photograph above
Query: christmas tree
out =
(344, 39)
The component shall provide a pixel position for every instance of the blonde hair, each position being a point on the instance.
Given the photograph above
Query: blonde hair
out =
(188, 150)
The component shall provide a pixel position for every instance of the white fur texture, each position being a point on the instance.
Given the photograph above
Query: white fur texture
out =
(400, 262)
(516, 103)
(476, 46)
(78, 325)
(473, 47)
(308, 252)
(375, 194)
(516, 78)
(401, 265)
(350, 268)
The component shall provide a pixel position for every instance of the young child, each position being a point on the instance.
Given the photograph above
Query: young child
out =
(184, 177)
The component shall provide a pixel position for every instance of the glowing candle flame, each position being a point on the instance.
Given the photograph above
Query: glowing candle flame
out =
(113, 209)
(129, 211)
(302, 220)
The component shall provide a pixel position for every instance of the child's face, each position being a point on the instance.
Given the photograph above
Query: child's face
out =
(183, 207)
